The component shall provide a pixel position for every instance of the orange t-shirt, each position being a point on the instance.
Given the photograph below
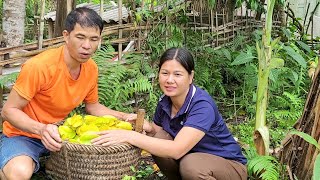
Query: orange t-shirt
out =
(45, 82)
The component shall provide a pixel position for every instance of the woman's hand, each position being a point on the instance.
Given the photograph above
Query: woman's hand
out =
(110, 137)
(50, 137)
(148, 128)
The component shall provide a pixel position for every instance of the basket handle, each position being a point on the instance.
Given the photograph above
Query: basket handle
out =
(140, 120)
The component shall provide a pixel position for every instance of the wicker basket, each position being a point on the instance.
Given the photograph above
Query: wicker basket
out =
(78, 161)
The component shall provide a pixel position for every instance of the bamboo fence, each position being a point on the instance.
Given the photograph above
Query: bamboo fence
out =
(218, 28)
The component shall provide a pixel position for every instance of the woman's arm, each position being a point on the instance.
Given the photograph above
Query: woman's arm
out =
(185, 140)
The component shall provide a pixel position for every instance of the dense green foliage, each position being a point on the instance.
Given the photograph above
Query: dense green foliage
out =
(229, 74)
(124, 85)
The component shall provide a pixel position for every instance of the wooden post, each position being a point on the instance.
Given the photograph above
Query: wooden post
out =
(35, 19)
(101, 7)
(2, 57)
(201, 13)
(50, 28)
(120, 29)
(40, 36)
(61, 14)
(69, 6)
(140, 121)
(6, 56)
(63, 7)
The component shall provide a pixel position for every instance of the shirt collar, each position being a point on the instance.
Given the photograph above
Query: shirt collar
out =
(165, 101)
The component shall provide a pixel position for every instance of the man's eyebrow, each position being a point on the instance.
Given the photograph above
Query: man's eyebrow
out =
(80, 34)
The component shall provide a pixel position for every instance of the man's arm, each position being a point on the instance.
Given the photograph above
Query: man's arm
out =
(12, 112)
(98, 109)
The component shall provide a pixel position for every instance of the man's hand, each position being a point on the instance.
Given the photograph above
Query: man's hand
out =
(129, 117)
(50, 137)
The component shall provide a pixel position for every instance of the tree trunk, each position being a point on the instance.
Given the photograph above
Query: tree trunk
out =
(14, 13)
(61, 14)
(297, 153)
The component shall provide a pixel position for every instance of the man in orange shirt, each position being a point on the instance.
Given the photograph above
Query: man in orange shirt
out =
(49, 86)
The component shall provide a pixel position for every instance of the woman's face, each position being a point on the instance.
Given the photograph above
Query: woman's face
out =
(174, 79)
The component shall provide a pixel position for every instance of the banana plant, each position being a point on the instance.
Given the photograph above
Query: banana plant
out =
(267, 61)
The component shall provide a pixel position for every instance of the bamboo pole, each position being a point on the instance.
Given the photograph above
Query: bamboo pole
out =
(217, 25)
(212, 27)
(120, 29)
(40, 36)
(166, 25)
(101, 8)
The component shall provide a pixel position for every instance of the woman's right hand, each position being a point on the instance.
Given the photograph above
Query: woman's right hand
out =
(148, 128)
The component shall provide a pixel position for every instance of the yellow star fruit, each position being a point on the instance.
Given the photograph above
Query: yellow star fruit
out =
(87, 127)
(86, 137)
(124, 125)
(88, 119)
(82, 129)
(75, 121)
(66, 132)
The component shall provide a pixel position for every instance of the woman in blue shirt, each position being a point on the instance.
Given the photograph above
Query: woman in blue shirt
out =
(188, 138)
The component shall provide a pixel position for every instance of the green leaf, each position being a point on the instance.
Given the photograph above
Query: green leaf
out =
(243, 58)
(286, 32)
(275, 42)
(226, 53)
(316, 168)
(276, 63)
(272, 77)
(307, 138)
(211, 4)
(304, 46)
(296, 56)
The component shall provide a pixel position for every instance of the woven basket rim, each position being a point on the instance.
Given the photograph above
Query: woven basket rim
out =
(95, 148)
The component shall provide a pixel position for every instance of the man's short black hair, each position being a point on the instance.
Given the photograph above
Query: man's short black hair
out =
(85, 17)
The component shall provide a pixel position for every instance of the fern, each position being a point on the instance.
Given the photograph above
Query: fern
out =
(238, 41)
(264, 167)
(8, 79)
(291, 106)
(123, 85)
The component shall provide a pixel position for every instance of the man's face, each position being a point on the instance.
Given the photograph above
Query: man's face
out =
(82, 42)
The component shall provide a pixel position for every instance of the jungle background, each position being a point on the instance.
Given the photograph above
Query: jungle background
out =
(229, 71)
